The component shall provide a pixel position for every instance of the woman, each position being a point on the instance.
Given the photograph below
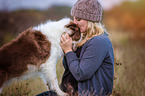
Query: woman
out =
(90, 69)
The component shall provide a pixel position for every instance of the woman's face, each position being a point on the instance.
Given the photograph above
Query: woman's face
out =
(81, 23)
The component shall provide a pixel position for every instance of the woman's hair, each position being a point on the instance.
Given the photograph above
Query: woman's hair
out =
(93, 29)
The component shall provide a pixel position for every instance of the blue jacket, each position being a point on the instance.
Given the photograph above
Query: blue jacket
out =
(94, 70)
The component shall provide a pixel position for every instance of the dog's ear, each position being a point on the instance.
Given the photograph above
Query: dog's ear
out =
(71, 25)
(76, 34)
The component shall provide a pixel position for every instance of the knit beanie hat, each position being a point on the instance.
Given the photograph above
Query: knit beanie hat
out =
(90, 10)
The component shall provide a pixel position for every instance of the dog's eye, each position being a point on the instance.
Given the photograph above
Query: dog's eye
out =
(78, 19)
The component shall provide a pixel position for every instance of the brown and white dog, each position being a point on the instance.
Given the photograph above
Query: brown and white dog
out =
(36, 50)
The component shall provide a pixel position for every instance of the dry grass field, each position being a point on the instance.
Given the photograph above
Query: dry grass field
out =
(29, 87)
(129, 67)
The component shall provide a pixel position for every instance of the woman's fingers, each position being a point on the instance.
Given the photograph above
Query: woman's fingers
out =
(61, 40)
(65, 37)
(66, 43)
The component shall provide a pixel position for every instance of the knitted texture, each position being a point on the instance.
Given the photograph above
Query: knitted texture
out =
(90, 10)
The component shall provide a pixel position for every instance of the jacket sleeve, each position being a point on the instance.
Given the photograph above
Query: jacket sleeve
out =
(91, 60)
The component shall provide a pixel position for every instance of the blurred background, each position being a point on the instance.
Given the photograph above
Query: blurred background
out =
(123, 19)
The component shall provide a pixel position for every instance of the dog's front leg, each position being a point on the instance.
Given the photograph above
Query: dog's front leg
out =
(49, 75)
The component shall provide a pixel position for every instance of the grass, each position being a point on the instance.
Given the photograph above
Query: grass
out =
(130, 75)
(130, 67)
(28, 87)
(31, 86)
(129, 71)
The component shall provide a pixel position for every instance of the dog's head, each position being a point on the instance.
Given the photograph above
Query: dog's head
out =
(75, 31)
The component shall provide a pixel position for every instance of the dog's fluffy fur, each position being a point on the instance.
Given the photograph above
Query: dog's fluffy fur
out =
(36, 50)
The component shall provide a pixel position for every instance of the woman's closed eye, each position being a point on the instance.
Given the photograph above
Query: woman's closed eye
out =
(78, 19)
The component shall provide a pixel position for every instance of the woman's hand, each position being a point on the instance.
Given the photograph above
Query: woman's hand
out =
(66, 43)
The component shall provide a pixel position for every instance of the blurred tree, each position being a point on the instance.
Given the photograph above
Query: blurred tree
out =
(128, 16)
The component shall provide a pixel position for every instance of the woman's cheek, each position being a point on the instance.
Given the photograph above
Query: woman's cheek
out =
(82, 30)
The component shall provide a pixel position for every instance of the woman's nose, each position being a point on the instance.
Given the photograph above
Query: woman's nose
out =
(75, 21)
